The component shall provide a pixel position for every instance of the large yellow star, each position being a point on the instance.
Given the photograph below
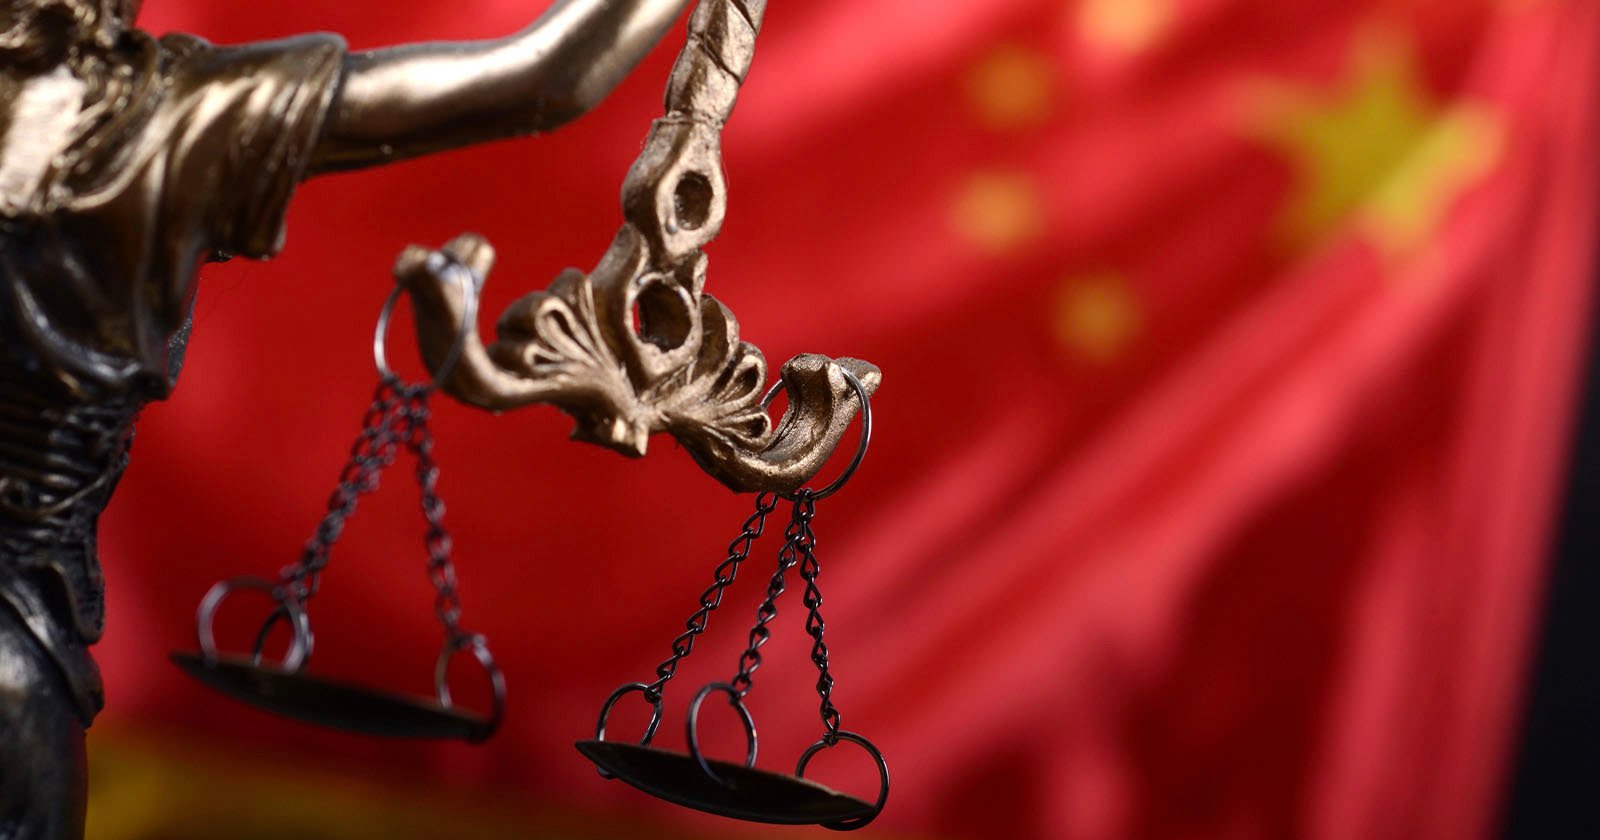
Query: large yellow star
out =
(1377, 155)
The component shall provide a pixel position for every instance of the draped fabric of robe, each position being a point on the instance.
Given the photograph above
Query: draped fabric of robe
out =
(193, 159)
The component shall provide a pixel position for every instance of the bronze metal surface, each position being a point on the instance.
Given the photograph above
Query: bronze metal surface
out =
(636, 346)
(749, 794)
(411, 100)
(127, 162)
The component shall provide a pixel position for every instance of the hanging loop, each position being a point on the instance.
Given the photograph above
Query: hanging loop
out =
(861, 447)
(470, 284)
(479, 646)
(257, 650)
(736, 700)
(605, 714)
(828, 742)
(289, 609)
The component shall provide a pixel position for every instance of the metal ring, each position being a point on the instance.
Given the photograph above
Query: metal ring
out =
(692, 724)
(470, 285)
(605, 714)
(289, 608)
(497, 680)
(861, 448)
(279, 614)
(827, 742)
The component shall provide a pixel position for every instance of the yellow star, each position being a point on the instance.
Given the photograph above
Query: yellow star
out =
(998, 211)
(1011, 87)
(1097, 316)
(1378, 154)
(1123, 26)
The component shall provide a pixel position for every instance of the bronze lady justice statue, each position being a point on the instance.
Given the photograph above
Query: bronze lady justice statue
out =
(128, 160)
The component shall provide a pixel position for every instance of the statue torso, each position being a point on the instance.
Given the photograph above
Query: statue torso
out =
(194, 158)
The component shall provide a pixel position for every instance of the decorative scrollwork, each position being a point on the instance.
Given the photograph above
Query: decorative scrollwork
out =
(636, 346)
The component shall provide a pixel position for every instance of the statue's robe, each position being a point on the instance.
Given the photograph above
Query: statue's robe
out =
(101, 244)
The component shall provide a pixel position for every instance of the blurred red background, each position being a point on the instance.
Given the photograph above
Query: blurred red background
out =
(1230, 348)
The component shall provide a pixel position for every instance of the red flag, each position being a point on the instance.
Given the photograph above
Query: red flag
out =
(1230, 349)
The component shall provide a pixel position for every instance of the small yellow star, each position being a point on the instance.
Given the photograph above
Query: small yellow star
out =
(1378, 154)
(998, 211)
(1123, 26)
(1097, 316)
(1011, 87)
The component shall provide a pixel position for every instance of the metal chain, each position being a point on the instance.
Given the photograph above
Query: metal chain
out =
(418, 439)
(805, 509)
(373, 450)
(711, 598)
(398, 416)
(788, 558)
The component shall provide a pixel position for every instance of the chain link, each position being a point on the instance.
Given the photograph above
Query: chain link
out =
(398, 416)
(373, 450)
(788, 558)
(805, 509)
(711, 598)
(418, 439)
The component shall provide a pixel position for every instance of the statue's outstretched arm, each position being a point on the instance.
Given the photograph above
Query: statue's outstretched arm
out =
(411, 100)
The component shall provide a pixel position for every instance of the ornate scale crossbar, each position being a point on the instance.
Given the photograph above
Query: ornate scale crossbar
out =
(632, 348)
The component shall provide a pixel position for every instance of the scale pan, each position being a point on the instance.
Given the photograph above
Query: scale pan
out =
(754, 795)
(331, 703)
